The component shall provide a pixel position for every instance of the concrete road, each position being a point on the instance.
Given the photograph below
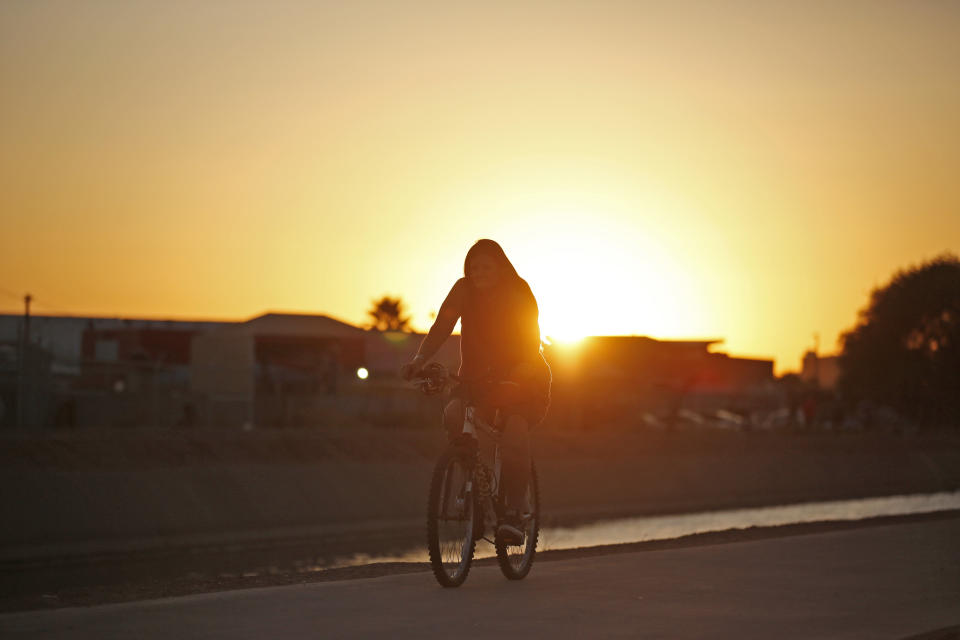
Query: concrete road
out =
(889, 581)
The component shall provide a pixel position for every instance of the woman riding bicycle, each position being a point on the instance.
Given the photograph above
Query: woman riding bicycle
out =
(499, 344)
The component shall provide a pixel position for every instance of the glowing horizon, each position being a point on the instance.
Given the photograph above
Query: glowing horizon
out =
(693, 170)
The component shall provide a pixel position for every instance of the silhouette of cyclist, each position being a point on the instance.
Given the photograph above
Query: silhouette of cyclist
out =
(499, 343)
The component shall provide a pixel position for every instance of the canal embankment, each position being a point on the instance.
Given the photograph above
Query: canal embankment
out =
(93, 491)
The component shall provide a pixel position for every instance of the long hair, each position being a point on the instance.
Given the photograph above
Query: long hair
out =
(494, 250)
(518, 300)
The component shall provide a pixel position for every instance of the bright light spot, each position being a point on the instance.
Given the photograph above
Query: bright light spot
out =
(565, 339)
(602, 279)
(362, 373)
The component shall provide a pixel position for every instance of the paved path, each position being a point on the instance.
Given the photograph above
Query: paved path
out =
(877, 582)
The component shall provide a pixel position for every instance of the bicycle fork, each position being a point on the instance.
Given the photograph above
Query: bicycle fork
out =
(487, 484)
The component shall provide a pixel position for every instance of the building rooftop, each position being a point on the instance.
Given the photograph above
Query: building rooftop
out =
(300, 324)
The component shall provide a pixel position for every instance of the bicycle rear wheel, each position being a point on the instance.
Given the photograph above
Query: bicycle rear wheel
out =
(515, 560)
(452, 517)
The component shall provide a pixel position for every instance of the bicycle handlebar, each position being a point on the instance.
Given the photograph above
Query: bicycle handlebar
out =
(436, 378)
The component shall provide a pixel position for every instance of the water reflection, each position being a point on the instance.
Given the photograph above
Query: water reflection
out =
(625, 530)
(674, 526)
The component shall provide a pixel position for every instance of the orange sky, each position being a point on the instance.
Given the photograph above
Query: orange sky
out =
(716, 169)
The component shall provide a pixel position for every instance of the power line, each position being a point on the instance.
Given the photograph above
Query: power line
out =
(52, 308)
(42, 302)
(7, 292)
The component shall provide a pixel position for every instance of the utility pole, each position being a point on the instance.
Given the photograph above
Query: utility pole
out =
(26, 316)
(22, 369)
(816, 358)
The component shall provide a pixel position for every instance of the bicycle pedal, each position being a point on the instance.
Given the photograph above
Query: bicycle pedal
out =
(511, 535)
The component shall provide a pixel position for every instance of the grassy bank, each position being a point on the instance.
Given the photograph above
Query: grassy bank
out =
(59, 488)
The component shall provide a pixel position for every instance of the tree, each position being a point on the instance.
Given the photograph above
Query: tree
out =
(388, 314)
(904, 351)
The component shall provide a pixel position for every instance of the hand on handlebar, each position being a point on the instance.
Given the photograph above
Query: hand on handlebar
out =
(413, 368)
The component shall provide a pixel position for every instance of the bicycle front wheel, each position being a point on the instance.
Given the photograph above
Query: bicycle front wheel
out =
(515, 560)
(451, 518)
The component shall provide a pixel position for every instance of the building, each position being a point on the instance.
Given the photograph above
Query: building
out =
(299, 369)
(275, 369)
(608, 377)
(822, 372)
(286, 369)
(99, 371)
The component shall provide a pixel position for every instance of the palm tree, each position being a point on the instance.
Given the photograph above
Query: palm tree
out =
(388, 315)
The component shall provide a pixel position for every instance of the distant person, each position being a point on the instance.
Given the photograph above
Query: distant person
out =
(499, 342)
(809, 408)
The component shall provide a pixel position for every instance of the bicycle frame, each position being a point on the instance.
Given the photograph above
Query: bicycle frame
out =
(471, 421)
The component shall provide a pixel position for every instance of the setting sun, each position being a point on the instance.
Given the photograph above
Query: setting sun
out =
(594, 279)
(661, 172)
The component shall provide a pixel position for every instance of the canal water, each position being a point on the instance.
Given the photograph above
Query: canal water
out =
(626, 530)
(405, 543)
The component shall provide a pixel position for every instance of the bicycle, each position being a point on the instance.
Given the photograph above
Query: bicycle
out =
(465, 500)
